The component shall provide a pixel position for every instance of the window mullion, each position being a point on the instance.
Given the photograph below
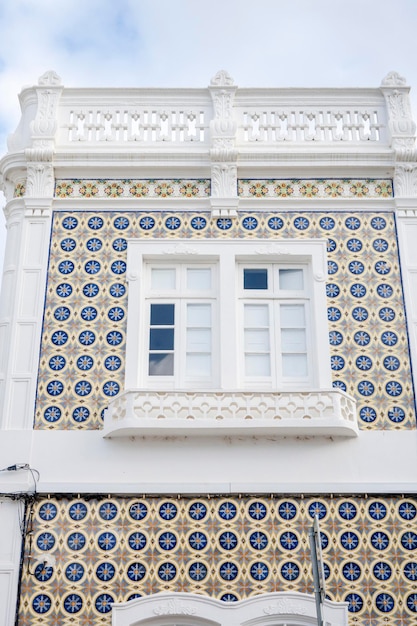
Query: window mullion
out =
(228, 329)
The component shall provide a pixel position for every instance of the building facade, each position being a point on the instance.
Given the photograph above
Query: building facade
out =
(207, 338)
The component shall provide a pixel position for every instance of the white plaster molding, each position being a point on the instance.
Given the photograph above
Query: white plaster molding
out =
(223, 152)
(50, 78)
(224, 207)
(40, 180)
(39, 207)
(217, 412)
(222, 79)
(7, 187)
(224, 180)
(181, 249)
(174, 606)
(48, 95)
(286, 608)
(401, 124)
(393, 79)
(405, 180)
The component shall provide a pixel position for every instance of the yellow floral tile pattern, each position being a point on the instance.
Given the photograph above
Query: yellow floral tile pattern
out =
(320, 188)
(124, 188)
(247, 188)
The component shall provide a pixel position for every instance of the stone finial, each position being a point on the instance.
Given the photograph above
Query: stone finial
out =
(50, 79)
(393, 79)
(222, 79)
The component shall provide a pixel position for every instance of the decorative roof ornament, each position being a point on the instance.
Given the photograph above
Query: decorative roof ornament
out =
(49, 79)
(222, 79)
(393, 79)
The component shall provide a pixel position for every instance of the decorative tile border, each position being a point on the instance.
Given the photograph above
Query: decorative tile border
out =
(200, 188)
(320, 188)
(115, 549)
(133, 188)
(296, 188)
(83, 341)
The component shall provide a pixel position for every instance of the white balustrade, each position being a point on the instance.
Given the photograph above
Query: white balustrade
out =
(292, 413)
(134, 124)
(167, 119)
(299, 125)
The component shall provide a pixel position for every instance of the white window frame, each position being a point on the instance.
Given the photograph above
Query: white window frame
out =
(181, 298)
(273, 297)
(229, 256)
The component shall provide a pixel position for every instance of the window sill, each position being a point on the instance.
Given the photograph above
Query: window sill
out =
(137, 412)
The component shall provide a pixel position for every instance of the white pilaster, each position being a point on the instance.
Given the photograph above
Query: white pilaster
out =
(11, 516)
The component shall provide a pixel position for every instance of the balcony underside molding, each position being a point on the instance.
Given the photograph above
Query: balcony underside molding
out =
(328, 413)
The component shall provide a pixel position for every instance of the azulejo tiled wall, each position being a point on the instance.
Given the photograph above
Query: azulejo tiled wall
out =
(83, 341)
(116, 549)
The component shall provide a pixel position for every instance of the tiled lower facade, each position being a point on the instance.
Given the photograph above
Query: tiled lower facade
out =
(84, 334)
(114, 549)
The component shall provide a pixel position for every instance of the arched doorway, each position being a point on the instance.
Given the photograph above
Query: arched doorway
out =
(188, 609)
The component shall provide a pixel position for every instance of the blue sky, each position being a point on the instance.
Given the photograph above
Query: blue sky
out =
(140, 43)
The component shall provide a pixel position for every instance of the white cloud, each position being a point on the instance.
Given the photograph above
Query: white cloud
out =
(183, 43)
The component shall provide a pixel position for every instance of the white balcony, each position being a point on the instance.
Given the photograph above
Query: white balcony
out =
(328, 413)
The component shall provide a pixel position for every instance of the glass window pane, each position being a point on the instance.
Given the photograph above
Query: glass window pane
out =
(163, 278)
(256, 315)
(199, 315)
(291, 279)
(198, 278)
(257, 340)
(293, 340)
(162, 314)
(161, 364)
(257, 365)
(199, 339)
(255, 278)
(292, 316)
(198, 365)
(161, 339)
(294, 365)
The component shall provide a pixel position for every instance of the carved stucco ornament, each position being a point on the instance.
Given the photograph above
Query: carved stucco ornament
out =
(393, 79)
(50, 78)
(405, 180)
(400, 121)
(223, 180)
(39, 157)
(222, 79)
(284, 607)
(40, 180)
(48, 92)
(174, 607)
(223, 152)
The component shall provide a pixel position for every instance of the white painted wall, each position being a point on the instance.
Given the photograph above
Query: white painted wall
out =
(21, 312)
(83, 461)
(11, 513)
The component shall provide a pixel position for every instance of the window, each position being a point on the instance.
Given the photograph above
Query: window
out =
(180, 309)
(227, 315)
(274, 311)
